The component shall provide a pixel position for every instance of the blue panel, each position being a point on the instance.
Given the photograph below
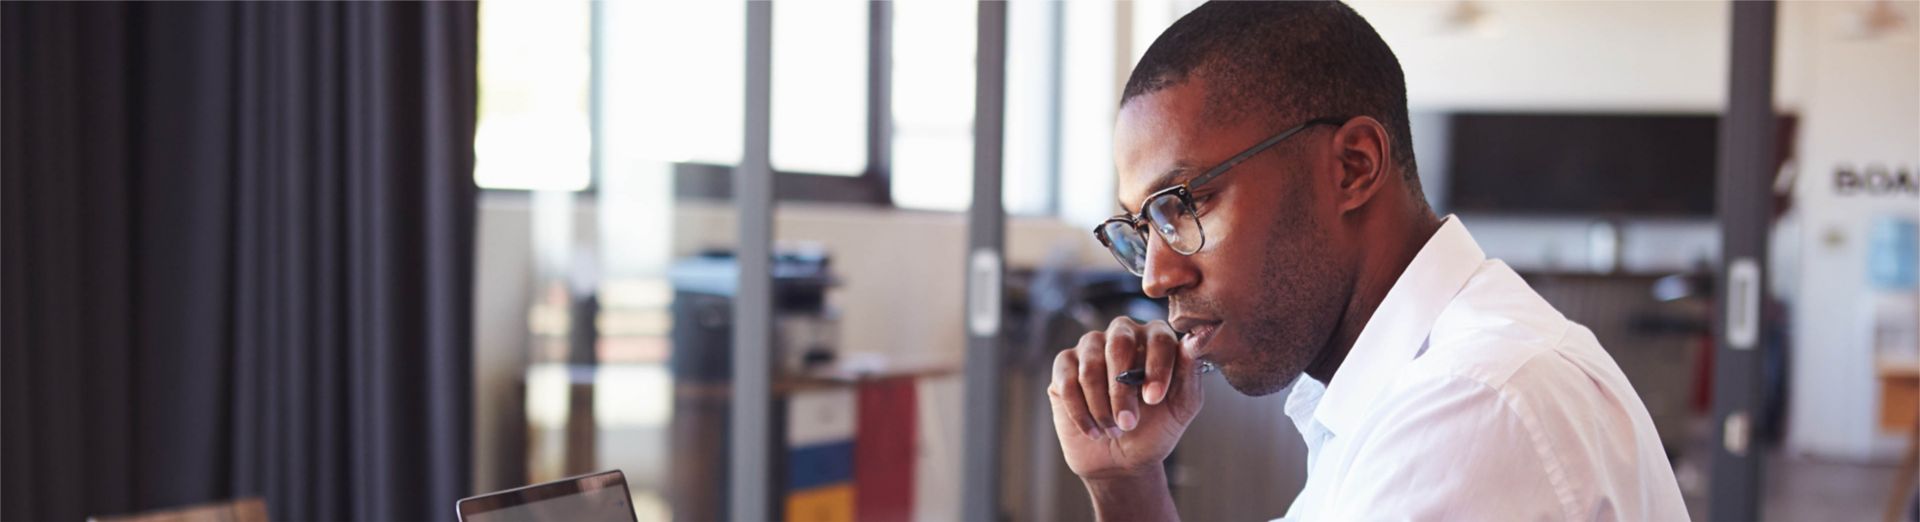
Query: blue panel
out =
(819, 465)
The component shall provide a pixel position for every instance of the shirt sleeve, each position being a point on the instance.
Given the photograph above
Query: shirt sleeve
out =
(1451, 448)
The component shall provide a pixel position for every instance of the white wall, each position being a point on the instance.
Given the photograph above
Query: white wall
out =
(1581, 55)
(1861, 106)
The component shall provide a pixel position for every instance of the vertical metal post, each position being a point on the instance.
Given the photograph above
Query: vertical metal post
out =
(986, 231)
(596, 90)
(1056, 82)
(748, 451)
(1744, 204)
(880, 95)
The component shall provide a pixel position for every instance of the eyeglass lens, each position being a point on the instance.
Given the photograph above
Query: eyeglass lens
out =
(1168, 216)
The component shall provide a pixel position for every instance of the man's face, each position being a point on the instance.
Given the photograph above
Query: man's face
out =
(1261, 299)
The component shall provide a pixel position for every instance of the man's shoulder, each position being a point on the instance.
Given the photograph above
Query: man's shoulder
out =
(1494, 327)
(1503, 368)
(1502, 336)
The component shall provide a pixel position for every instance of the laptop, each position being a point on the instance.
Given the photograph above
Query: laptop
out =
(597, 497)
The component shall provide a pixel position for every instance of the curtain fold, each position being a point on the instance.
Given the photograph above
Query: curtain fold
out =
(238, 257)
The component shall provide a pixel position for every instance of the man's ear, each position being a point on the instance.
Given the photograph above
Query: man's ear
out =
(1362, 148)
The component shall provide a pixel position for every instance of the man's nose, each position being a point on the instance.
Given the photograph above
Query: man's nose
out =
(1167, 271)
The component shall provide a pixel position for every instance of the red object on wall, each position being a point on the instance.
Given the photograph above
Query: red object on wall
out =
(884, 452)
(1703, 376)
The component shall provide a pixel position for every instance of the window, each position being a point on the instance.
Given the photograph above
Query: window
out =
(533, 129)
(820, 87)
(1029, 162)
(679, 67)
(1095, 58)
(933, 93)
(1092, 82)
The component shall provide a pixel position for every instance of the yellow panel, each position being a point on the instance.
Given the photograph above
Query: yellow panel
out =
(823, 504)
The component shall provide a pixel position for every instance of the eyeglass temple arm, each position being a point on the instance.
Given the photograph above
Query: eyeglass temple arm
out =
(1256, 149)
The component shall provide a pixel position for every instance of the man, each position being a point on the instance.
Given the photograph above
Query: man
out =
(1266, 170)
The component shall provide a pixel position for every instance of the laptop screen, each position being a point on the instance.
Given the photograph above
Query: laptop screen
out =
(600, 497)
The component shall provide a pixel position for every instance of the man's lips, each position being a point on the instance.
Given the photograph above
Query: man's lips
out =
(1195, 334)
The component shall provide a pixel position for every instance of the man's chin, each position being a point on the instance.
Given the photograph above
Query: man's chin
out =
(1256, 382)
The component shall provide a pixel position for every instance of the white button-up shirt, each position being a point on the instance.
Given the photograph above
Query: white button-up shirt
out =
(1468, 397)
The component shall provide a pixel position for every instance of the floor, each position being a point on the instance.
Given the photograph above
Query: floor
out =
(1801, 489)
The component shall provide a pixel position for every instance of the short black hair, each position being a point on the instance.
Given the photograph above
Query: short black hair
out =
(1283, 63)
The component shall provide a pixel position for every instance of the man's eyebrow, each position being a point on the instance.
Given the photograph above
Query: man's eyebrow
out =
(1160, 183)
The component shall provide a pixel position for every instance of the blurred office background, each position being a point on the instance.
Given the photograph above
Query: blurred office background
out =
(361, 260)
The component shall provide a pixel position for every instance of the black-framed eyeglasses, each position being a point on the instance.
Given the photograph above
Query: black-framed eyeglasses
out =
(1171, 214)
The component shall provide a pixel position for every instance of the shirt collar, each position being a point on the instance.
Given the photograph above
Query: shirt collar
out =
(1302, 400)
(1399, 326)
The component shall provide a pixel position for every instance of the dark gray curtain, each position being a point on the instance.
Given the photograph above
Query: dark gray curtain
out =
(238, 243)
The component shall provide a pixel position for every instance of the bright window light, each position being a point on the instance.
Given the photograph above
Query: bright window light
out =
(534, 66)
(820, 87)
(1028, 161)
(933, 94)
(1086, 111)
(675, 74)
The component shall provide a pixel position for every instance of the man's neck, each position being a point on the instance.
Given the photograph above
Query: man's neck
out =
(1381, 267)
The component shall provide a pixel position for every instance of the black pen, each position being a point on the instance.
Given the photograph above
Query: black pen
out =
(1138, 376)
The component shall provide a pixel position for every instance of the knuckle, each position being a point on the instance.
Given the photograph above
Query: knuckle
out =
(1090, 371)
(1159, 329)
(1091, 354)
(1092, 339)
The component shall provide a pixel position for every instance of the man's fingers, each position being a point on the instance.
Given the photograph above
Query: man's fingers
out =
(1066, 396)
(1123, 353)
(1184, 392)
(1093, 378)
(1162, 354)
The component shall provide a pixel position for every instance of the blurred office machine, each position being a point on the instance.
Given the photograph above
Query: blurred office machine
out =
(846, 430)
(702, 364)
(1241, 459)
(806, 331)
(250, 509)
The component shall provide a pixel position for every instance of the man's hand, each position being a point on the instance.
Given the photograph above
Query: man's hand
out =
(1113, 432)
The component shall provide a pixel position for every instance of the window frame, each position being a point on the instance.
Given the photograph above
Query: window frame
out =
(713, 182)
(873, 186)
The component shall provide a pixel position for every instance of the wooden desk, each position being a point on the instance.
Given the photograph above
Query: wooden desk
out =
(1899, 394)
(1900, 411)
